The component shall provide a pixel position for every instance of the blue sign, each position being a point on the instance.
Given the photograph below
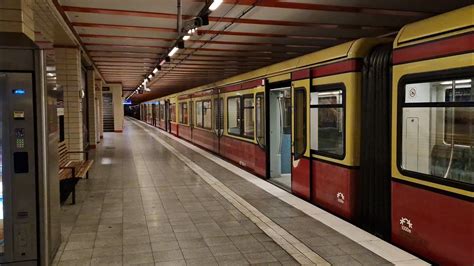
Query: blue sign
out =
(19, 91)
(127, 102)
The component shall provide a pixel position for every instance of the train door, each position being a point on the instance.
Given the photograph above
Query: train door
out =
(300, 160)
(191, 117)
(218, 118)
(153, 113)
(280, 136)
(167, 116)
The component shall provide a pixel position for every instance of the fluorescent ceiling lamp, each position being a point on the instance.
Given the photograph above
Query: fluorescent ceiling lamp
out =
(155, 70)
(150, 76)
(463, 81)
(162, 62)
(446, 83)
(215, 5)
(173, 51)
(186, 37)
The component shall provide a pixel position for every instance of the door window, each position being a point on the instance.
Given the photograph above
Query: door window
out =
(233, 115)
(327, 118)
(300, 137)
(260, 118)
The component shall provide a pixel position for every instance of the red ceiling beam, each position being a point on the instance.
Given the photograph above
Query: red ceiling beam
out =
(327, 8)
(159, 29)
(120, 37)
(278, 4)
(192, 48)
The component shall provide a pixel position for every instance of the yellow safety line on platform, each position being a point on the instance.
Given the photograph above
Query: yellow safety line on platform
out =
(298, 250)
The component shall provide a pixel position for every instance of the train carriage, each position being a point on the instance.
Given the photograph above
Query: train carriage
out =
(377, 131)
(433, 138)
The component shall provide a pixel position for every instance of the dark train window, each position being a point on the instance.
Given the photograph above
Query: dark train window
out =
(300, 136)
(327, 121)
(260, 118)
(183, 113)
(437, 128)
(219, 115)
(233, 115)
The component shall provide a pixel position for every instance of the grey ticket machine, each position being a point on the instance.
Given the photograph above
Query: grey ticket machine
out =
(22, 159)
(18, 171)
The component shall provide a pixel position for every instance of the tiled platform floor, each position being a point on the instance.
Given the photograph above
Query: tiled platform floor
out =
(143, 205)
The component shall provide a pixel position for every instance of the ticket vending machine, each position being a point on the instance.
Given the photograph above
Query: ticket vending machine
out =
(25, 221)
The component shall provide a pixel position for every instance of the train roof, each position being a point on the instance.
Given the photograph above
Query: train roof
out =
(353, 49)
(437, 27)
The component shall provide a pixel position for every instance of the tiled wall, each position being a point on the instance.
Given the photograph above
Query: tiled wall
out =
(17, 16)
(68, 68)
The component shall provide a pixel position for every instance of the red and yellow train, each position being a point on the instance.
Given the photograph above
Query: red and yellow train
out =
(377, 131)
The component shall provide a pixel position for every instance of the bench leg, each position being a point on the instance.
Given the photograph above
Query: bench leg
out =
(87, 175)
(74, 195)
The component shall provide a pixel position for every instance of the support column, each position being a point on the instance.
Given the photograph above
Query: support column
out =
(117, 92)
(68, 71)
(92, 106)
(101, 110)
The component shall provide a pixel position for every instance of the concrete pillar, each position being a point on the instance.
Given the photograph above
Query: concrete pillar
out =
(17, 16)
(92, 106)
(100, 109)
(68, 71)
(117, 98)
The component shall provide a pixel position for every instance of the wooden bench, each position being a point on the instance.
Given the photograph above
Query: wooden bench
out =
(70, 171)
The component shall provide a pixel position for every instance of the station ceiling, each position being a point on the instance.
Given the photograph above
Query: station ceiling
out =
(125, 39)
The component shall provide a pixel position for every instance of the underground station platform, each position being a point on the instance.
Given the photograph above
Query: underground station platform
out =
(236, 132)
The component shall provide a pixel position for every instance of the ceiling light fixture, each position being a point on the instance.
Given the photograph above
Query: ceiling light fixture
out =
(215, 5)
(155, 70)
(173, 51)
(186, 37)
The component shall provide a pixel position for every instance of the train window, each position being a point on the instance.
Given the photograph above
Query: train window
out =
(260, 118)
(300, 136)
(248, 117)
(437, 129)
(183, 113)
(198, 114)
(162, 112)
(207, 114)
(173, 112)
(327, 121)
(233, 115)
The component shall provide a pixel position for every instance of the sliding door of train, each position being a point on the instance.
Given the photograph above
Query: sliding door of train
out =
(300, 157)
(279, 132)
(218, 118)
(167, 116)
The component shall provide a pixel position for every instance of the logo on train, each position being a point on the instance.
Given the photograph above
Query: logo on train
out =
(406, 224)
(340, 197)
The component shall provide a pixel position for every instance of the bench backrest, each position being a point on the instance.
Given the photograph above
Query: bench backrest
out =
(63, 153)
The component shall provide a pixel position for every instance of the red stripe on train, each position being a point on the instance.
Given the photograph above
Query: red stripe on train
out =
(445, 47)
(351, 65)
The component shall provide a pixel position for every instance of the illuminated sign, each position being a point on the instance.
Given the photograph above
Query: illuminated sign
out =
(19, 91)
